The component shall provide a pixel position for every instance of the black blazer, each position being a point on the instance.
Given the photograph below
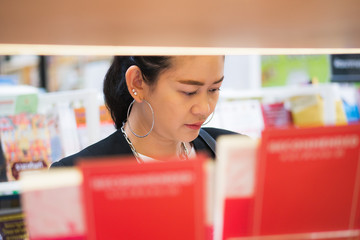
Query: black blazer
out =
(115, 145)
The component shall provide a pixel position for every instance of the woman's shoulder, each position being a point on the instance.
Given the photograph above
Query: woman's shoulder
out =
(206, 141)
(115, 144)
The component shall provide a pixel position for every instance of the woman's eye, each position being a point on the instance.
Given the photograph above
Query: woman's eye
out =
(190, 93)
(214, 90)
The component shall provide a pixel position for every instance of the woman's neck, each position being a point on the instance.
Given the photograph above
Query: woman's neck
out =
(152, 145)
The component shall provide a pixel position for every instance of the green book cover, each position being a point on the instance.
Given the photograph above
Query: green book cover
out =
(26, 103)
(282, 70)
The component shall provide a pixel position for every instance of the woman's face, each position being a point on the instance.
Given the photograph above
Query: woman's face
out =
(185, 95)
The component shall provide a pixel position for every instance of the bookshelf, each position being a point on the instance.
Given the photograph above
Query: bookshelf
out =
(219, 27)
(183, 27)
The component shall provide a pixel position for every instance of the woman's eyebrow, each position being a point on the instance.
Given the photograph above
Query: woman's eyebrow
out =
(197, 83)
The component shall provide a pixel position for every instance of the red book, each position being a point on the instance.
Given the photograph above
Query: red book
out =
(276, 115)
(125, 200)
(302, 184)
(308, 181)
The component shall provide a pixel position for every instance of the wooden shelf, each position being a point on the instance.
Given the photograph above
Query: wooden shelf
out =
(187, 23)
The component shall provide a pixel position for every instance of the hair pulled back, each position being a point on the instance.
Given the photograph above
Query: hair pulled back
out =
(116, 94)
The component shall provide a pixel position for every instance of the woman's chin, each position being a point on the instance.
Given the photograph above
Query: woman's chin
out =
(191, 136)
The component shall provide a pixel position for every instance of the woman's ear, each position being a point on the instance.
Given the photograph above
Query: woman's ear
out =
(134, 82)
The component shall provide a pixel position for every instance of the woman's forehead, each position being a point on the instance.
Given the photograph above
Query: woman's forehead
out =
(201, 66)
(182, 64)
(178, 61)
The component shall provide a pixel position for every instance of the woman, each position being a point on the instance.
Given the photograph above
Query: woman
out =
(158, 105)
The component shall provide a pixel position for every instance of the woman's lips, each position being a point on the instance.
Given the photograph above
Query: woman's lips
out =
(194, 126)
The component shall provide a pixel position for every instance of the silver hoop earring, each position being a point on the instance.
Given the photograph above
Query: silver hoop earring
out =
(153, 119)
(212, 115)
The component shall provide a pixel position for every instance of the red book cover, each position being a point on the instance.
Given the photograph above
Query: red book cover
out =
(276, 115)
(125, 200)
(308, 181)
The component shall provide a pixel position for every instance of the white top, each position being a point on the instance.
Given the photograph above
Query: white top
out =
(149, 159)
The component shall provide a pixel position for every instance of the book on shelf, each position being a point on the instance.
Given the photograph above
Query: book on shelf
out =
(234, 186)
(18, 99)
(302, 184)
(57, 151)
(12, 218)
(239, 115)
(106, 124)
(276, 115)
(149, 201)
(292, 184)
(309, 179)
(52, 203)
(112, 198)
(307, 110)
(25, 141)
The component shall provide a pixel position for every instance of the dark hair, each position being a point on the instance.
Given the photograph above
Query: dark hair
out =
(116, 94)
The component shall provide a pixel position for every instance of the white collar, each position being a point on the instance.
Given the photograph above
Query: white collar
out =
(146, 159)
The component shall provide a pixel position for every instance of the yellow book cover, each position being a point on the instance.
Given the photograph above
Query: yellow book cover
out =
(307, 110)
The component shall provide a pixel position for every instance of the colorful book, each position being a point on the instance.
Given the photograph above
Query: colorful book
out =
(25, 141)
(125, 200)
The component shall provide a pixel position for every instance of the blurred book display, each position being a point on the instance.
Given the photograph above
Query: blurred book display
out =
(25, 140)
(54, 73)
(26, 136)
(12, 219)
(37, 129)
(115, 198)
(291, 184)
(282, 70)
(251, 111)
(296, 177)
(18, 99)
(305, 183)
(106, 124)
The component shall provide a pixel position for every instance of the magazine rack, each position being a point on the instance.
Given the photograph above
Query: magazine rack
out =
(88, 98)
(327, 91)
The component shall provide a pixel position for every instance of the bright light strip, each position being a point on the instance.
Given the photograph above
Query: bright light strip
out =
(37, 49)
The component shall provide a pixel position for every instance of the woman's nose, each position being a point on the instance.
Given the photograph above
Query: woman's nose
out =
(202, 106)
